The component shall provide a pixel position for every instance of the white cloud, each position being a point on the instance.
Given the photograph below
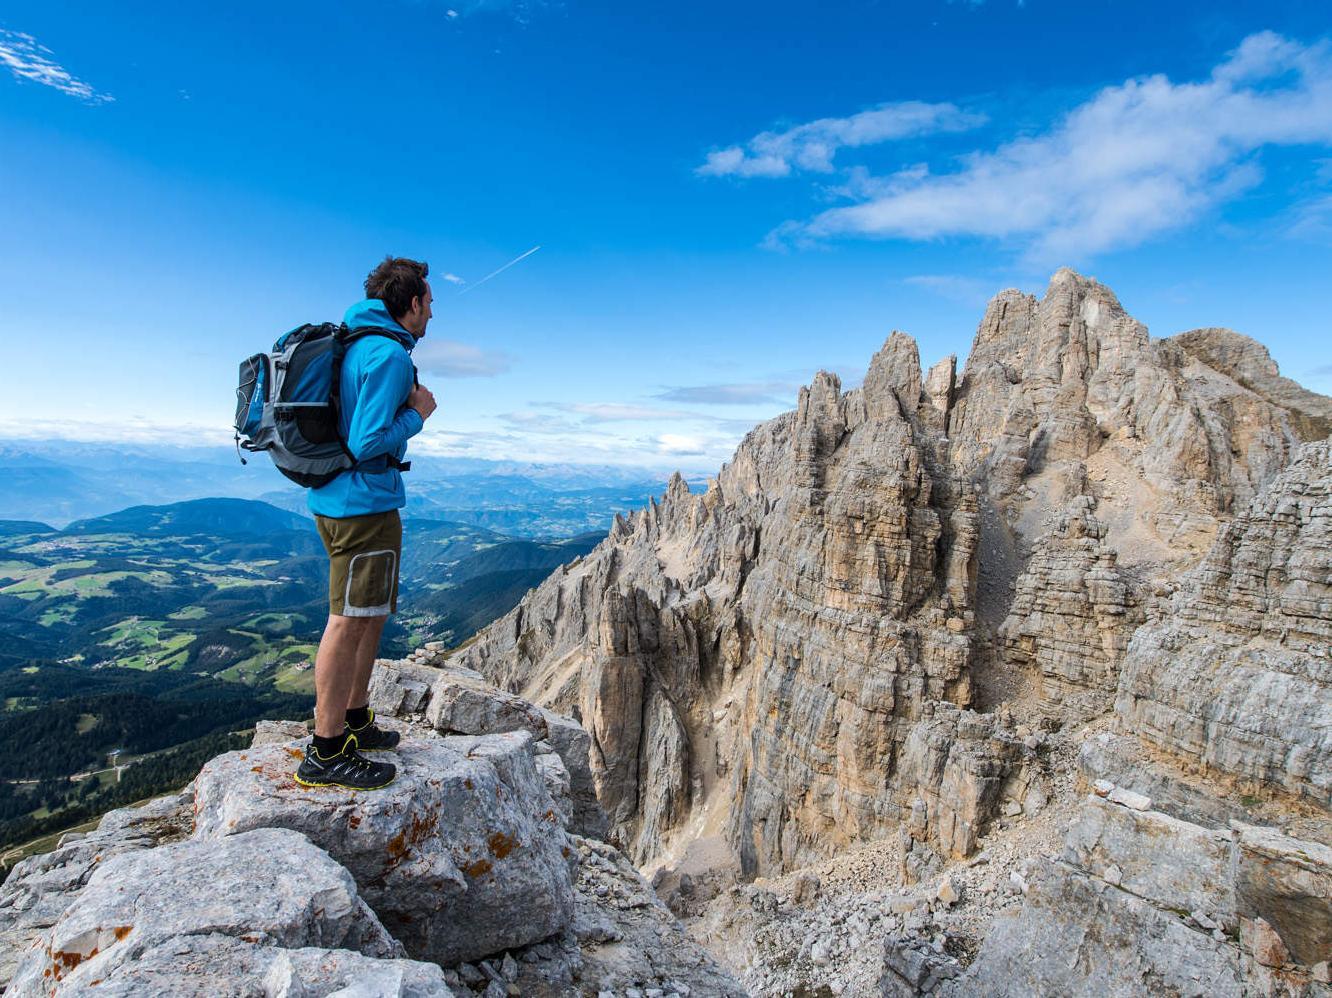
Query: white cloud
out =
(451, 359)
(812, 146)
(618, 411)
(122, 429)
(454, 279)
(1312, 220)
(27, 59)
(742, 393)
(1135, 160)
(956, 287)
(681, 445)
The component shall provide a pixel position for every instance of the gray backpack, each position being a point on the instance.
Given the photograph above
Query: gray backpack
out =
(287, 404)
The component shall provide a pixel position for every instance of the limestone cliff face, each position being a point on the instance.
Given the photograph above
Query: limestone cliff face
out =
(1071, 375)
(763, 648)
(1072, 614)
(1235, 672)
(751, 662)
(1111, 459)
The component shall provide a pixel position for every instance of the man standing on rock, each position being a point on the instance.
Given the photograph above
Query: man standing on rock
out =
(382, 406)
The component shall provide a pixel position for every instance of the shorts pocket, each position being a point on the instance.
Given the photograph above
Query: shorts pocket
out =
(370, 578)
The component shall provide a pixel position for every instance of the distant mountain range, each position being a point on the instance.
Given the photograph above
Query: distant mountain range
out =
(194, 618)
(197, 516)
(58, 482)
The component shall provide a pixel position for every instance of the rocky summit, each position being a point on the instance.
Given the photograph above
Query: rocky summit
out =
(1012, 681)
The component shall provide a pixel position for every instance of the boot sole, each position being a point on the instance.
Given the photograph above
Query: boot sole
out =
(344, 786)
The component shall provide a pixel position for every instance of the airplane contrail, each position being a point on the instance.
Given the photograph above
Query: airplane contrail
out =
(483, 280)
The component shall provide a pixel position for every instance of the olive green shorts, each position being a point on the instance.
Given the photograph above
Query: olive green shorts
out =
(363, 556)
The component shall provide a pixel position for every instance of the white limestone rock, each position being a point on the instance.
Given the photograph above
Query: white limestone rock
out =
(220, 966)
(459, 701)
(462, 856)
(268, 886)
(40, 888)
(1235, 673)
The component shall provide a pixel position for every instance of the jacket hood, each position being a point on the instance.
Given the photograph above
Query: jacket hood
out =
(373, 312)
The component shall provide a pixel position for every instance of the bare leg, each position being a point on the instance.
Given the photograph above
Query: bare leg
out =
(337, 669)
(365, 662)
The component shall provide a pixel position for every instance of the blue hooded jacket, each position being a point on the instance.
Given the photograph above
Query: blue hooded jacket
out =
(376, 379)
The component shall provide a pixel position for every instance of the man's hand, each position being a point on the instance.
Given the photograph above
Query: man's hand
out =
(421, 399)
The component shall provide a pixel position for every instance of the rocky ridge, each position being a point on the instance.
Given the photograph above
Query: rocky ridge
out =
(897, 608)
(471, 874)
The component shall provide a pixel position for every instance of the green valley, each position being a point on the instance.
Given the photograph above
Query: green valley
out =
(135, 645)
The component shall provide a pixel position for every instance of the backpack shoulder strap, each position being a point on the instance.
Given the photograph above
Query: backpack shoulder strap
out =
(342, 339)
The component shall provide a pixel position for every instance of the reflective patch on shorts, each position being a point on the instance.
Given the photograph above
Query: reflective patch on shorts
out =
(370, 576)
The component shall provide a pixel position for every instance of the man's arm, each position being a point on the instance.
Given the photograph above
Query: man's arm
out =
(379, 423)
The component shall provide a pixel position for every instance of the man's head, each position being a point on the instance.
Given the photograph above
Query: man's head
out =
(402, 286)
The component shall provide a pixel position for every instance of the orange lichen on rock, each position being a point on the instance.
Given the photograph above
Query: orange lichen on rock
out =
(63, 962)
(501, 845)
(477, 868)
(421, 828)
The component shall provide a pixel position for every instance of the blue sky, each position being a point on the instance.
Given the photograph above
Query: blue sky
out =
(727, 197)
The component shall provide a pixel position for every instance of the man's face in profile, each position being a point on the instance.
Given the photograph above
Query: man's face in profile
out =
(419, 314)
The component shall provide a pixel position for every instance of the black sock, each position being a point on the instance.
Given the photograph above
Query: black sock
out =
(328, 747)
(358, 717)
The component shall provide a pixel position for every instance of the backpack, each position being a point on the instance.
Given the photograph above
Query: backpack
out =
(287, 404)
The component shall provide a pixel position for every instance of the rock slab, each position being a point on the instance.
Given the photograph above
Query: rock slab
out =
(464, 855)
(268, 886)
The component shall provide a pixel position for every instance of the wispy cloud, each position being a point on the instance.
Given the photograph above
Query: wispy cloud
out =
(813, 145)
(521, 11)
(28, 59)
(680, 445)
(955, 287)
(741, 393)
(1133, 161)
(454, 279)
(1312, 219)
(611, 412)
(123, 429)
(451, 359)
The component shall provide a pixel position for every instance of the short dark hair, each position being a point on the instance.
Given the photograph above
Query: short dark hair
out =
(396, 282)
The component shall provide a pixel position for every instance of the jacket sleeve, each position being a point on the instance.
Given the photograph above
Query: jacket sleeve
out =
(381, 423)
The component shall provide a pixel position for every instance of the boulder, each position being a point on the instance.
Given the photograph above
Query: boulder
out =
(459, 701)
(218, 966)
(41, 887)
(269, 886)
(1286, 883)
(1171, 863)
(1075, 935)
(462, 856)
(401, 689)
(272, 732)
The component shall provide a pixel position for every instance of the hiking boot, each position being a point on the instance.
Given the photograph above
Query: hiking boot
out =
(373, 738)
(347, 769)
